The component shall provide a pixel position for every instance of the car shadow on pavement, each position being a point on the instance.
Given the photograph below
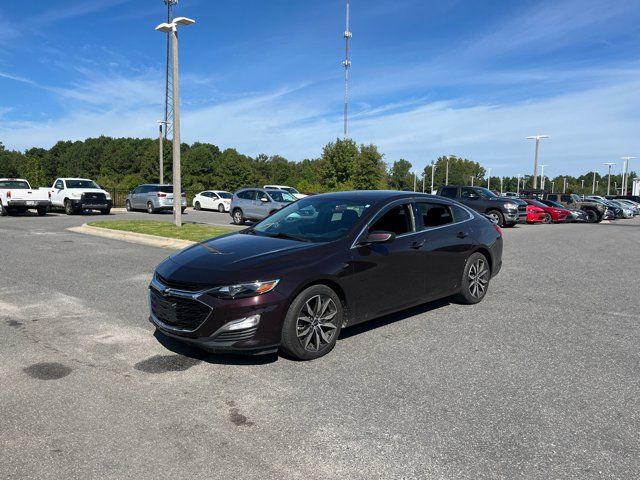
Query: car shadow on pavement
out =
(392, 318)
(186, 350)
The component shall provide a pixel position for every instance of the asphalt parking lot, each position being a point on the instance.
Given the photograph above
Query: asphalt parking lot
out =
(540, 380)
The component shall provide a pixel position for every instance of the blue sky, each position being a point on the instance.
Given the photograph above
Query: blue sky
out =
(428, 78)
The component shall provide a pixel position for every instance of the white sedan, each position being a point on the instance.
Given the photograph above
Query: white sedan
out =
(213, 200)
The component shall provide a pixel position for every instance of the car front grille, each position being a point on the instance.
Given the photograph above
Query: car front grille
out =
(522, 208)
(184, 286)
(94, 197)
(178, 312)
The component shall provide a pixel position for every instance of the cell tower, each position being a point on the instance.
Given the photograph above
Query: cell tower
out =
(346, 64)
(168, 84)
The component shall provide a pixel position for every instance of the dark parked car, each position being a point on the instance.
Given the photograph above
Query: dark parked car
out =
(504, 210)
(322, 263)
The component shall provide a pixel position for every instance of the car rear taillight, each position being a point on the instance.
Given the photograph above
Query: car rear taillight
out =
(49, 195)
(162, 195)
(9, 194)
(498, 229)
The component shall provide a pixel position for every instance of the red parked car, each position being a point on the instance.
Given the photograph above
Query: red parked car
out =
(551, 214)
(535, 214)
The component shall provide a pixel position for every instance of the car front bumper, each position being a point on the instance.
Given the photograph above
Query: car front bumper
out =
(92, 204)
(209, 330)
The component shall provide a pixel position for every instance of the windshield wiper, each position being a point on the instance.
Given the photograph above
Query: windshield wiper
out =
(288, 236)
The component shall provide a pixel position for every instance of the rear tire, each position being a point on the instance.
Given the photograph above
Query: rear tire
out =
(150, 208)
(183, 209)
(475, 280)
(497, 215)
(238, 217)
(312, 324)
(592, 216)
(221, 208)
(197, 206)
(106, 211)
(42, 211)
(3, 211)
(127, 205)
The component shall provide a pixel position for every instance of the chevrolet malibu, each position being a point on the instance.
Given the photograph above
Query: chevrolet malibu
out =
(325, 262)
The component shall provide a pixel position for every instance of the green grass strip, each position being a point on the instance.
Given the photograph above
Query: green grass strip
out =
(189, 231)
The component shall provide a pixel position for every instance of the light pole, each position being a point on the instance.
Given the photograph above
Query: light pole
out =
(472, 180)
(446, 175)
(433, 169)
(415, 178)
(501, 192)
(518, 185)
(542, 176)
(582, 191)
(489, 178)
(610, 164)
(177, 180)
(625, 180)
(593, 190)
(564, 185)
(597, 185)
(537, 138)
(552, 186)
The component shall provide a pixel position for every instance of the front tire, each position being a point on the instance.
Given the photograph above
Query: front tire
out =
(106, 211)
(497, 216)
(68, 208)
(547, 218)
(127, 205)
(238, 217)
(312, 324)
(150, 208)
(475, 280)
(221, 208)
(592, 216)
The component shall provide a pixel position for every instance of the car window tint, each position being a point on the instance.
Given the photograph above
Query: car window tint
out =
(246, 195)
(459, 214)
(261, 195)
(396, 220)
(449, 192)
(433, 214)
(467, 192)
(566, 198)
(59, 184)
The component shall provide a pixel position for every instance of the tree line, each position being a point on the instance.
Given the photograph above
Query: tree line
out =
(123, 163)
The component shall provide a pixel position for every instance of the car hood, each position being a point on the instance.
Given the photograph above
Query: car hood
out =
(235, 257)
(85, 190)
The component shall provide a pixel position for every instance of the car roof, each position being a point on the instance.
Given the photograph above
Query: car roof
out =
(377, 195)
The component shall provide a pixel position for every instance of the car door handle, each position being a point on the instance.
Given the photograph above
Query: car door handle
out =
(462, 235)
(417, 245)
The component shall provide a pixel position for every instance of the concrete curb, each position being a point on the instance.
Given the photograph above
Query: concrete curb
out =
(132, 237)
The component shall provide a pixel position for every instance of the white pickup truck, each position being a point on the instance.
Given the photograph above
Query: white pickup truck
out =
(78, 194)
(16, 195)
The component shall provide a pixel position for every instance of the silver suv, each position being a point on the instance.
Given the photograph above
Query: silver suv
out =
(153, 198)
(258, 203)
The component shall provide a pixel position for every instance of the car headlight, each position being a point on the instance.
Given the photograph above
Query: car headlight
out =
(107, 196)
(511, 206)
(76, 195)
(243, 290)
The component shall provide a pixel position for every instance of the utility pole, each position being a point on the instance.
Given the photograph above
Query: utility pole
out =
(161, 148)
(610, 164)
(625, 178)
(433, 169)
(346, 64)
(168, 82)
(172, 28)
(537, 138)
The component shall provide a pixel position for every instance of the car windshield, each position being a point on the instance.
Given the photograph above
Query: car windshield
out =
(16, 184)
(313, 219)
(575, 197)
(551, 203)
(537, 203)
(291, 190)
(281, 196)
(81, 184)
(224, 195)
(485, 192)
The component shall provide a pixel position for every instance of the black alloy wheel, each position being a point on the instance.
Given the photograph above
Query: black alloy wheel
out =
(313, 323)
(475, 280)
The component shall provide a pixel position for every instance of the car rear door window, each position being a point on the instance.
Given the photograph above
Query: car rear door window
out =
(247, 195)
(430, 215)
(566, 198)
(467, 192)
(449, 192)
(396, 220)
(459, 214)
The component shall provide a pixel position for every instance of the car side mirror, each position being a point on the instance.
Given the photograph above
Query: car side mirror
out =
(472, 196)
(264, 200)
(378, 237)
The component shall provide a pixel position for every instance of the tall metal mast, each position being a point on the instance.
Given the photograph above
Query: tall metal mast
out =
(346, 64)
(168, 84)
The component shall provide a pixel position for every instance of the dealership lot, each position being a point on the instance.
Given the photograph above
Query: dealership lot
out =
(540, 380)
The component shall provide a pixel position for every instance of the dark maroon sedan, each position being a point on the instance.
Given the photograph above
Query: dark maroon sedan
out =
(325, 262)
